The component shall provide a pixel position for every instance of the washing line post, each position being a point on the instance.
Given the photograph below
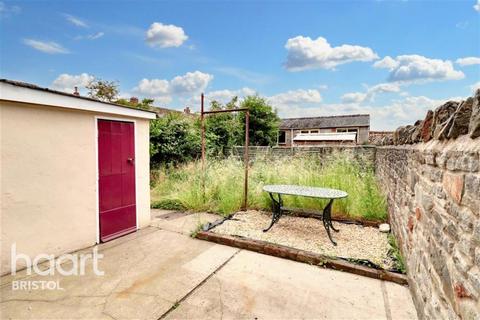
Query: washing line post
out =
(202, 120)
(245, 154)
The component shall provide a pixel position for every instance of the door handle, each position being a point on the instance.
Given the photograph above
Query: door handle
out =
(131, 160)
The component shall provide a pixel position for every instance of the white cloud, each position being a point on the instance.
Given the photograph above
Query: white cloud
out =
(416, 68)
(468, 61)
(153, 87)
(44, 46)
(75, 21)
(477, 6)
(296, 97)
(462, 24)
(354, 97)
(6, 10)
(164, 91)
(224, 96)
(386, 63)
(397, 113)
(475, 86)
(165, 35)
(369, 95)
(305, 53)
(67, 82)
(93, 36)
(191, 82)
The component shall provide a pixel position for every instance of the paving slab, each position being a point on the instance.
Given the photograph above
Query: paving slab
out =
(399, 301)
(143, 278)
(253, 285)
(184, 223)
(161, 272)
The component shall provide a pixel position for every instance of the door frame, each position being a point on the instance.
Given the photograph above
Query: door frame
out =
(97, 178)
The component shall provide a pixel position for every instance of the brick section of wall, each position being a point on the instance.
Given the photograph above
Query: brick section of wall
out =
(433, 192)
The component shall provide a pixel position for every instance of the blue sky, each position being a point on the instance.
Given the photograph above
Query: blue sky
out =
(392, 59)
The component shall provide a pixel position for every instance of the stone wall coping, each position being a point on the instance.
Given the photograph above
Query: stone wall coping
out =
(463, 143)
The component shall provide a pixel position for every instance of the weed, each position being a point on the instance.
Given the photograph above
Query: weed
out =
(395, 253)
(197, 229)
(168, 204)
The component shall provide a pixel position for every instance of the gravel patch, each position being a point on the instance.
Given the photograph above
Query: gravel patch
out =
(353, 241)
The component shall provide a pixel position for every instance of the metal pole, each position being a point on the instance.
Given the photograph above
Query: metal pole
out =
(202, 120)
(245, 160)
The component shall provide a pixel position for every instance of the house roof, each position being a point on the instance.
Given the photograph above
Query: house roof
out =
(336, 136)
(18, 91)
(353, 120)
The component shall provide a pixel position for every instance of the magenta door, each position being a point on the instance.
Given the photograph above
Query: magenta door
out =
(116, 173)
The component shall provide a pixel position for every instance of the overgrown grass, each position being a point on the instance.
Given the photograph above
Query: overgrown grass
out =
(182, 186)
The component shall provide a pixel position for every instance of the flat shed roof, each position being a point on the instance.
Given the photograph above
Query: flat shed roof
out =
(23, 92)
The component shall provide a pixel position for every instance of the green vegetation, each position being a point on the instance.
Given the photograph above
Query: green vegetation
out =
(145, 104)
(394, 252)
(264, 122)
(176, 138)
(103, 90)
(173, 140)
(168, 204)
(224, 185)
(221, 130)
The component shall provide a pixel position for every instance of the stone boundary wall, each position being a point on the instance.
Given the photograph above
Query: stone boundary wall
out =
(433, 192)
(430, 172)
(376, 137)
(364, 153)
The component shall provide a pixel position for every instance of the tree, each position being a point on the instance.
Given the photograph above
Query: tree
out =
(173, 139)
(264, 122)
(221, 129)
(103, 90)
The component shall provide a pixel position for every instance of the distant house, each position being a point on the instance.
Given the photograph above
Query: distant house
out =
(347, 129)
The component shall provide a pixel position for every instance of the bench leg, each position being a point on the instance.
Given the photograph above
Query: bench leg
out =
(276, 210)
(327, 220)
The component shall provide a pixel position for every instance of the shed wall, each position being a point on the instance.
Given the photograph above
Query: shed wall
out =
(49, 182)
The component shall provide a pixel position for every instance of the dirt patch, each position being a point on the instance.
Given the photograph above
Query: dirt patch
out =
(353, 241)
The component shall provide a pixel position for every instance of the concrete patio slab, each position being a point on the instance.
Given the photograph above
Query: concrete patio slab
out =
(253, 285)
(156, 273)
(180, 222)
(143, 278)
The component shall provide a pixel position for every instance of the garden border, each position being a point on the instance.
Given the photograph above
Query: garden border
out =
(294, 254)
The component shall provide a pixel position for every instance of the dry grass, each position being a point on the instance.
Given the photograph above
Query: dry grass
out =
(181, 187)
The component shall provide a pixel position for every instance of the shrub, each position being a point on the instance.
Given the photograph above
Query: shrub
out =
(264, 122)
(173, 140)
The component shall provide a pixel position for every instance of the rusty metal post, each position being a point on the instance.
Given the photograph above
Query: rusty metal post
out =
(245, 155)
(202, 120)
(245, 160)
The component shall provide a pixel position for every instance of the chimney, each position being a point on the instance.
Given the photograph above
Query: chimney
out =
(76, 93)
(186, 110)
(134, 100)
